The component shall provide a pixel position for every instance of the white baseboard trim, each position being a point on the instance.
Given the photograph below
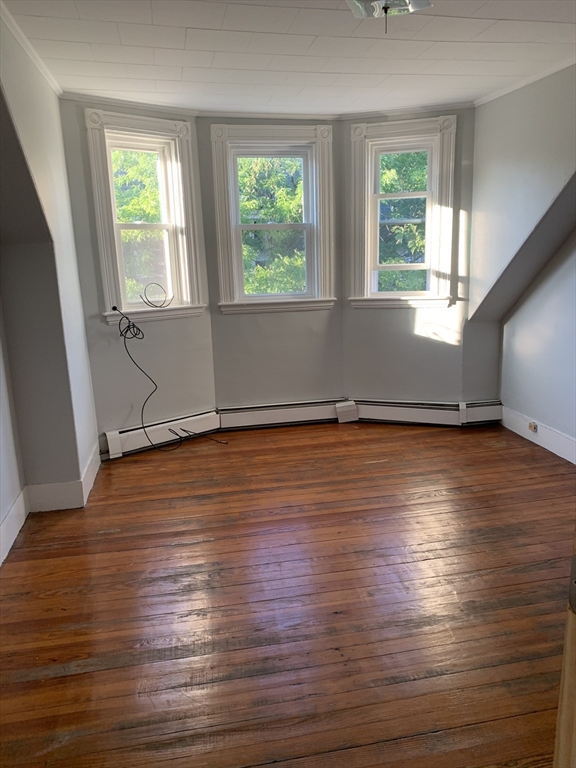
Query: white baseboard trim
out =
(12, 523)
(546, 437)
(90, 472)
(71, 495)
(47, 497)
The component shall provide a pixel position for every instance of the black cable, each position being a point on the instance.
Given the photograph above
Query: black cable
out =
(129, 330)
(197, 434)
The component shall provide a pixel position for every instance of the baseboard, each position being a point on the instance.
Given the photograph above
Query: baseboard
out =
(546, 437)
(12, 523)
(50, 496)
(90, 472)
(71, 495)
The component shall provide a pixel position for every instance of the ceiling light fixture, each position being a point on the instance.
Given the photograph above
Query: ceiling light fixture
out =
(377, 9)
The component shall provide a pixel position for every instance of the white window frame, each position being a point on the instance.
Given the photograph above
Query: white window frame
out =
(175, 141)
(437, 136)
(314, 145)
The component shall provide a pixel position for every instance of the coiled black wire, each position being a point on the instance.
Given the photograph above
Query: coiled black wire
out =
(129, 330)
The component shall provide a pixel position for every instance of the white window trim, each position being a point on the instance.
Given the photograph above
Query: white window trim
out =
(369, 140)
(182, 137)
(313, 142)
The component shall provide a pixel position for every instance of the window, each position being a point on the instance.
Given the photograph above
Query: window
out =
(146, 214)
(274, 217)
(402, 212)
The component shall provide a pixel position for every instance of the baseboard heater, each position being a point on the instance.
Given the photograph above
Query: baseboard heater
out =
(455, 414)
(125, 441)
(278, 413)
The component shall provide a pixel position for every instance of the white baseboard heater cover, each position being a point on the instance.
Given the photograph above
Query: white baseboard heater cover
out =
(284, 413)
(129, 440)
(455, 414)
(450, 414)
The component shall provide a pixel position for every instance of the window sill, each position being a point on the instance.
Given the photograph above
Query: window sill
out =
(166, 313)
(278, 305)
(411, 302)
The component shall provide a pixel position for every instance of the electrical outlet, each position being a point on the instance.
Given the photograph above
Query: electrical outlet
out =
(532, 426)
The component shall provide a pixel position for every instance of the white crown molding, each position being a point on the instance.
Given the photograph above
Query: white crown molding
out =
(8, 19)
(313, 117)
(429, 109)
(528, 81)
(86, 98)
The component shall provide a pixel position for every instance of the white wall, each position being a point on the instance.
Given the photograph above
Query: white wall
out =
(539, 348)
(35, 112)
(177, 353)
(524, 155)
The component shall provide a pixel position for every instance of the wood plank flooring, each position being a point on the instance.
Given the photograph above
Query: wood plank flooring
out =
(319, 596)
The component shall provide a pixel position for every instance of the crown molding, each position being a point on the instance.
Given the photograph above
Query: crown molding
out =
(534, 79)
(313, 117)
(87, 98)
(10, 22)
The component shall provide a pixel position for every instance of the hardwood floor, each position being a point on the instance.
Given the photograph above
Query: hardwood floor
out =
(321, 596)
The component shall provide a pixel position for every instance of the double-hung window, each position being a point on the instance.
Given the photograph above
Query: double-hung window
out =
(146, 214)
(402, 211)
(274, 217)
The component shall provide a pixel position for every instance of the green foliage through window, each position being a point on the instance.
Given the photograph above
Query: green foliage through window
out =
(403, 280)
(136, 186)
(271, 192)
(403, 172)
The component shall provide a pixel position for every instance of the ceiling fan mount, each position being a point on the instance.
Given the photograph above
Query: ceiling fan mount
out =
(375, 9)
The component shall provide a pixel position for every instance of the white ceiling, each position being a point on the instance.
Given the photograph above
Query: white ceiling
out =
(296, 56)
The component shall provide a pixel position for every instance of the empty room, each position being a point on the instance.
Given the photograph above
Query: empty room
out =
(288, 383)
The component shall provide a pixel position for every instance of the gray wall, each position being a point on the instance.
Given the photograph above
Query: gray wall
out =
(524, 154)
(177, 353)
(35, 113)
(539, 349)
(11, 473)
(423, 354)
(388, 354)
(271, 357)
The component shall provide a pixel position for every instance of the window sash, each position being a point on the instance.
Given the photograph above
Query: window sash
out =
(307, 225)
(170, 191)
(308, 244)
(374, 265)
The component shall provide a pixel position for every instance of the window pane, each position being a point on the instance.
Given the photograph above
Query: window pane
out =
(136, 186)
(270, 190)
(403, 280)
(402, 231)
(145, 255)
(404, 172)
(274, 261)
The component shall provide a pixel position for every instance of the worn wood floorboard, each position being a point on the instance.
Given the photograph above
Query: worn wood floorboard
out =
(320, 596)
